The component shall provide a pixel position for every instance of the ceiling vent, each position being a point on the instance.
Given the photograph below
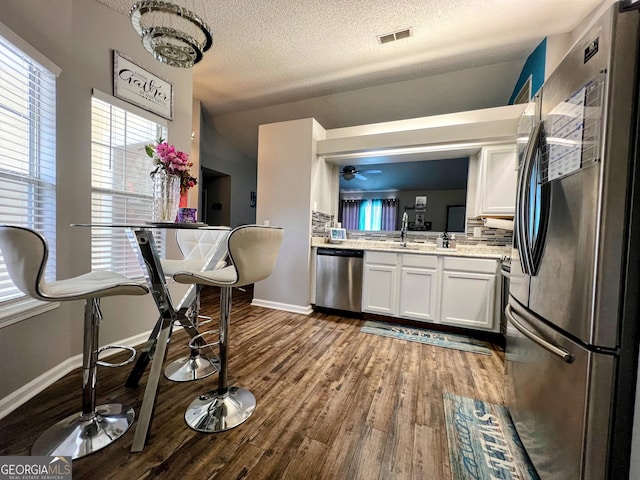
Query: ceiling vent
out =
(394, 36)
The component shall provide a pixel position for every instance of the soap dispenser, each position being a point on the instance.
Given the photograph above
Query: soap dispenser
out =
(452, 241)
(445, 240)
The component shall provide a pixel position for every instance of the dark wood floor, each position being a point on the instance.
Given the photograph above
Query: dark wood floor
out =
(333, 403)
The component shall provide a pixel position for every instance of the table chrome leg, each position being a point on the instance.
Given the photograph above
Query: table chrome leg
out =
(148, 258)
(148, 401)
(144, 357)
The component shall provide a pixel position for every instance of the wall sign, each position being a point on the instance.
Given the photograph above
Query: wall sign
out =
(138, 86)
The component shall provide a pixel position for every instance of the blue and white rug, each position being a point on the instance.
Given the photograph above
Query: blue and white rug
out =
(483, 443)
(430, 337)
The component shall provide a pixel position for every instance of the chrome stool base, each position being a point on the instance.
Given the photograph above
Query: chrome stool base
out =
(215, 412)
(77, 436)
(190, 368)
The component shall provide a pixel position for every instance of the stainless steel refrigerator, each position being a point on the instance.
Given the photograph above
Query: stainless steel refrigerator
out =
(572, 330)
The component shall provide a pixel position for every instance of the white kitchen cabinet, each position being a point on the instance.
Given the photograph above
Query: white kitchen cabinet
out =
(419, 288)
(468, 293)
(449, 290)
(496, 183)
(380, 283)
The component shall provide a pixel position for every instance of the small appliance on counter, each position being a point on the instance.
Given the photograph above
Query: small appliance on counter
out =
(337, 235)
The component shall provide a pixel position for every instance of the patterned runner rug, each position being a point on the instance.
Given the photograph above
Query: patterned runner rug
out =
(483, 443)
(431, 337)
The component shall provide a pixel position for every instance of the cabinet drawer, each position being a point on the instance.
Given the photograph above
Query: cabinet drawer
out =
(425, 261)
(481, 265)
(382, 258)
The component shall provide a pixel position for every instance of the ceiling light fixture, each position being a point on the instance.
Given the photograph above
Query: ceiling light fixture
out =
(171, 33)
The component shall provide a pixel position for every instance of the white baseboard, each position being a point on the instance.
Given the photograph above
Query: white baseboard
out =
(282, 306)
(25, 393)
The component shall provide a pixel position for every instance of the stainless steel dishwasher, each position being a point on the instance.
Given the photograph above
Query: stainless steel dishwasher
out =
(339, 279)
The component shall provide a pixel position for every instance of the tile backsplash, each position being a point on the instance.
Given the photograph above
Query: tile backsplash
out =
(319, 223)
(488, 236)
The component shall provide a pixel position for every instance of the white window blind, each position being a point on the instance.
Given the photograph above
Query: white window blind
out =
(121, 184)
(27, 152)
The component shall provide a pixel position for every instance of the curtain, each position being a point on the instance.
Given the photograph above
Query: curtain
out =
(376, 215)
(389, 214)
(350, 214)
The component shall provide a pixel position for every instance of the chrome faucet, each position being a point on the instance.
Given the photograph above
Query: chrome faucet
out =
(403, 230)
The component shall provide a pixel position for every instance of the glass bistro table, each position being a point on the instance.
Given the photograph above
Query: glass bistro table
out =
(144, 245)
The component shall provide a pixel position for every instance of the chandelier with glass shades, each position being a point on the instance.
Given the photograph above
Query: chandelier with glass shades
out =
(171, 33)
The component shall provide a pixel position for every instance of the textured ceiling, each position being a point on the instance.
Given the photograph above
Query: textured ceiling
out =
(267, 53)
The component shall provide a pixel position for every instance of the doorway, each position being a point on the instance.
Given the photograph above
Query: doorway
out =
(215, 194)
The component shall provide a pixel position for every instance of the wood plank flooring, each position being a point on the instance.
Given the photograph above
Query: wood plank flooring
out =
(332, 403)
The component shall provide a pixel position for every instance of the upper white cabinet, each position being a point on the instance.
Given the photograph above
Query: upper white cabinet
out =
(496, 185)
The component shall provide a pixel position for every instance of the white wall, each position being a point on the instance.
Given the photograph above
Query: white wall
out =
(78, 36)
(425, 96)
(286, 153)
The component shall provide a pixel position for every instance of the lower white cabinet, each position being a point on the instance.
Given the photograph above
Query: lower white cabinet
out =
(419, 287)
(469, 292)
(451, 290)
(380, 283)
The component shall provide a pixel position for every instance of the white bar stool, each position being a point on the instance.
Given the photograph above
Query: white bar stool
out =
(202, 249)
(253, 250)
(25, 254)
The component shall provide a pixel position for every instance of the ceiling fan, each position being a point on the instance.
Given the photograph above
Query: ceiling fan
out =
(350, 172)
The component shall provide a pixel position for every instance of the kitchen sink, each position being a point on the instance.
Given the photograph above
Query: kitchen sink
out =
(408, 247)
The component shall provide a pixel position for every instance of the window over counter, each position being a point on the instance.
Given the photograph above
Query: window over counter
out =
(376, 195)
(27, 155)
(121, 186)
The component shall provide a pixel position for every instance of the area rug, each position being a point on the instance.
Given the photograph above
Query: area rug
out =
(483, 443)
(431, 337)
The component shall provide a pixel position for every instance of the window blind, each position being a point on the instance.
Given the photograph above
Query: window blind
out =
(121, 187)
(27, 152)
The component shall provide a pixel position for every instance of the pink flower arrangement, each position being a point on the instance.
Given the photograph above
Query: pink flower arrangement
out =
(173, 162)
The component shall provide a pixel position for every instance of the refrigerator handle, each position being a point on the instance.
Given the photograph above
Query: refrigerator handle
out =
(534, 337)
(523, 240)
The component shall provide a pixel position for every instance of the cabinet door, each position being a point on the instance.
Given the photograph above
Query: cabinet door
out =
(379, 289)
(418, 293)
(468, 299)
(497, 181)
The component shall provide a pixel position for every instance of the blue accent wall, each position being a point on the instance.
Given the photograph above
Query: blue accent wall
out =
(534, 67)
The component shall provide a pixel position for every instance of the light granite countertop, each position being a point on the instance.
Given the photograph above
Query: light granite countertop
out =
(482, 251)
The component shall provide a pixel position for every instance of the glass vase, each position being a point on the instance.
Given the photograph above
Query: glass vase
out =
(166, 196)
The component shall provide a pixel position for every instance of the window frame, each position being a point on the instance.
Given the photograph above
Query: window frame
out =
(16, 309)
(123, 195)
